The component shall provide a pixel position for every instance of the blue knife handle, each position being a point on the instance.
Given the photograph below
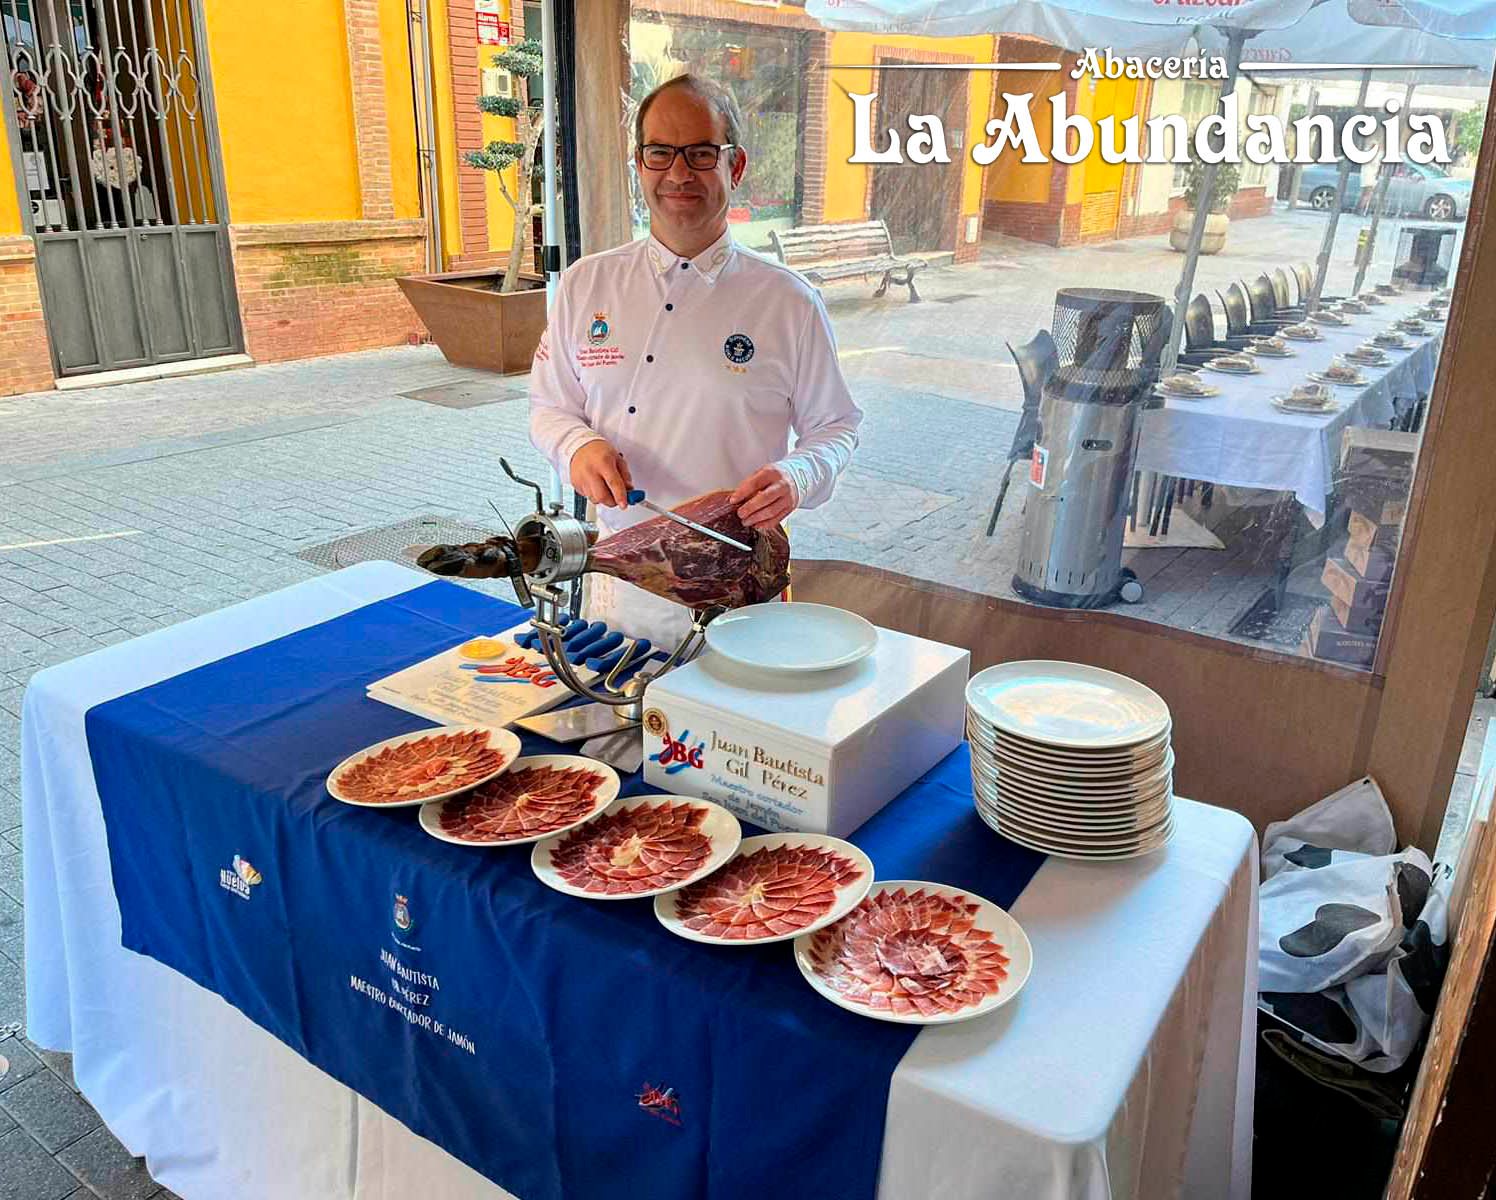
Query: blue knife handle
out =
(635, 496)
(598, 649)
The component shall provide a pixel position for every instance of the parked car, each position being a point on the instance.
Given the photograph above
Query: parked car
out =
(1415, 188)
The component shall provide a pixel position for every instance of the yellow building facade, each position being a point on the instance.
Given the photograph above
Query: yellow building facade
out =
(294, 143)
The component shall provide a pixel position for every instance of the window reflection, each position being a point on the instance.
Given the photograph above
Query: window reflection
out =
(1263, 507)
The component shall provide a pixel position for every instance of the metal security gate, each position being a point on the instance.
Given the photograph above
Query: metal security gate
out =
(110, 114)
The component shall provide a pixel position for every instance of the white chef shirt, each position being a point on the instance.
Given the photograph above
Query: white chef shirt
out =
(695, 370)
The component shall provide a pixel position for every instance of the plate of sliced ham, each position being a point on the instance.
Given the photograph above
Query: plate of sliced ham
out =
(918, 954)
(420, 767)
(640, 847)
(776, 887)
(536, 797)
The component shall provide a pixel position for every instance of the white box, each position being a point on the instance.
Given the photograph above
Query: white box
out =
(814, 753)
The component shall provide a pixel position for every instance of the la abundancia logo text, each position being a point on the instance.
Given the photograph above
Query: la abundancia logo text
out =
(1217, 138)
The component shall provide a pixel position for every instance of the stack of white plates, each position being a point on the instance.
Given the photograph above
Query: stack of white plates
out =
(1071, 759)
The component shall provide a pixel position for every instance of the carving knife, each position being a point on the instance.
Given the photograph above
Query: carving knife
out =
(637, 497)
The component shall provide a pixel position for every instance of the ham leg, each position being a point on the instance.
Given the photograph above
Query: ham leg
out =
(691, 569)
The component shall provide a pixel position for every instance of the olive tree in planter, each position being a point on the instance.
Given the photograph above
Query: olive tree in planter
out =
(482, 318)
(1216, 224)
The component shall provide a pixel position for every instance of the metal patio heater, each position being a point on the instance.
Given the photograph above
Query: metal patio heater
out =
(1424, 255)
(1109, 342)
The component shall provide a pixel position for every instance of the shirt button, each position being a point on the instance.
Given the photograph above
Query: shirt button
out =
(649, 358)
(632, 408)
(685, 266)
(669, 308)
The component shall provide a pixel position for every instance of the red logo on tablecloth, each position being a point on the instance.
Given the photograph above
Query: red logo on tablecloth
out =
(660, 1102)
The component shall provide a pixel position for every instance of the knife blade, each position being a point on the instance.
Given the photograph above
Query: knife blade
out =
(637, 497)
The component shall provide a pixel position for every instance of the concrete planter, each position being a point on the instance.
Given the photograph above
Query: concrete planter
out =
(474, 323)
(1214, 239)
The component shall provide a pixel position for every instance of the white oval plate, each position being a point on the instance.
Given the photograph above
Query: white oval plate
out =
(1211, 366)
(715, 823)
(1321, 377)
(791, 636)
(1107, 791)
(846, 894)
(985, 789)
(1107, 840)
(1282, 404)
(1079, 855)
(1001, 929)
(1135, 822)
(1206, 391)
(1006, 745)
(1067, 704)
(506, 743)
(606, 793)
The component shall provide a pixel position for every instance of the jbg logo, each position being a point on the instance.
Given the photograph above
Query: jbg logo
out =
(678, 754)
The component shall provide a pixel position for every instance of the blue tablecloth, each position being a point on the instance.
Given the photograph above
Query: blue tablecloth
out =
(512, 1025)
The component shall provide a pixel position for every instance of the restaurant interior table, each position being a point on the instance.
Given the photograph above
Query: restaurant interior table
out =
(1124, 1069)
(1239, 439)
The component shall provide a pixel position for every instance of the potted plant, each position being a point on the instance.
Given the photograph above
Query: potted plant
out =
(490, 319)
(1216, 224)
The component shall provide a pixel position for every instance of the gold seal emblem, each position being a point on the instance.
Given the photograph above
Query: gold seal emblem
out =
(655, 723)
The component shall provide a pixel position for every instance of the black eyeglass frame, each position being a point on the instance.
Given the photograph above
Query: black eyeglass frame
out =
(684, 152)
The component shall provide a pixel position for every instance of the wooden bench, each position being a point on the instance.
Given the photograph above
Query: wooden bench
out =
(824, 253)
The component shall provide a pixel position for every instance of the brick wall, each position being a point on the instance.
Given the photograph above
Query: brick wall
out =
(370, 120)
(325, 288)
(25, 358)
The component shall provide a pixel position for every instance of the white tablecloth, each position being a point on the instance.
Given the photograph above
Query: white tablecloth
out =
(1239, 439)
(1124, 1070)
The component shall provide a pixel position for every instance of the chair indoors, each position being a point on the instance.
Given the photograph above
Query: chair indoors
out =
(1036, 360)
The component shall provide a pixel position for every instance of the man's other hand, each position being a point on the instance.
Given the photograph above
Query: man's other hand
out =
(765, 498)
(599, 473)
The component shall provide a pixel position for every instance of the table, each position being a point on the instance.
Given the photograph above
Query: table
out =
(1239, 439)
(1081, 1088)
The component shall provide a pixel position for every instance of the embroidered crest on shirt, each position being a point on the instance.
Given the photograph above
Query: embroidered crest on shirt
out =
(597, 353)
(738, 348)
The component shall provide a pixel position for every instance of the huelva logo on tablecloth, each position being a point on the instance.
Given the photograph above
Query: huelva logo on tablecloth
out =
(239, 878)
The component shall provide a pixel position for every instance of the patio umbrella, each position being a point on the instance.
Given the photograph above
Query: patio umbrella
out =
(1382, 42)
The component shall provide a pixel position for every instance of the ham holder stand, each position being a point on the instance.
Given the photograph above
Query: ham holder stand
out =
(543, 554)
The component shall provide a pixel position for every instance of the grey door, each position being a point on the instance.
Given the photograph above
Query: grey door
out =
(116, 156)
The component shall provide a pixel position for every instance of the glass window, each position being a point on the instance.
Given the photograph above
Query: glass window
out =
(1260, 499)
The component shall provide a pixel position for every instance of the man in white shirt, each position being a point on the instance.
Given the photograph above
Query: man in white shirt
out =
(680, 363)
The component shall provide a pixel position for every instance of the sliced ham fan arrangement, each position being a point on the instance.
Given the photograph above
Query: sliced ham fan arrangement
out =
(898, 951)
(767, 893)
(636, 850)
(420, 769)
(522, 804)
(910, 952)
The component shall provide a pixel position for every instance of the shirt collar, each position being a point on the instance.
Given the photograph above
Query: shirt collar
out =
(708, 263)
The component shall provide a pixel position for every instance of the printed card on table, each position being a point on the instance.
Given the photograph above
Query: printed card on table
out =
(487, 680)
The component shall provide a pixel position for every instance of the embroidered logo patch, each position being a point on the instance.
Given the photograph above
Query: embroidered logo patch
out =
(404, 922)
(240, 879)
(597, 332)
(660, 1102)
(738, 348)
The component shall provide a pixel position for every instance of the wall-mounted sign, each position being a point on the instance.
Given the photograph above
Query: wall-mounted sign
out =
(491, 30)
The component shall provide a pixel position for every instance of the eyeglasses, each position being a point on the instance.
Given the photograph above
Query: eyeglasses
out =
(703, 156)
